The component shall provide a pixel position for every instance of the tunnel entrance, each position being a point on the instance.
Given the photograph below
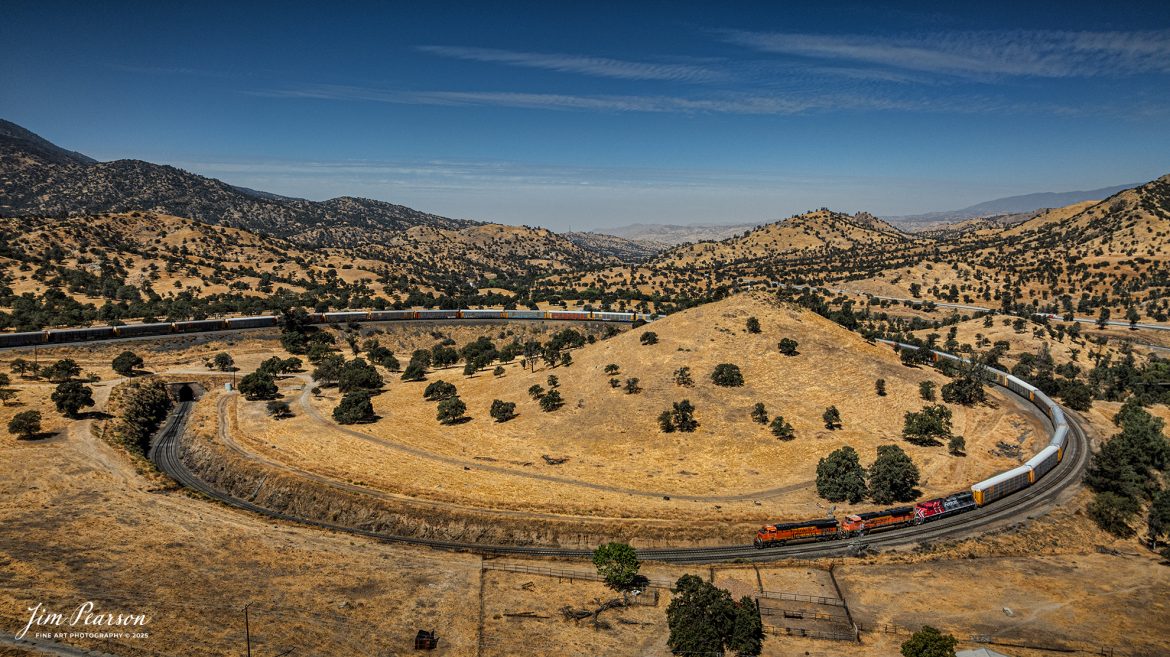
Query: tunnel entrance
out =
(185, 391)
(186, 394)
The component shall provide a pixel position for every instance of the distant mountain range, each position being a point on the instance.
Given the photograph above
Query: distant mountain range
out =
(1010, 205)
(41, 179)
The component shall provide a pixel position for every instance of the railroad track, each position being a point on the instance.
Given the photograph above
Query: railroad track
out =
(166, 454)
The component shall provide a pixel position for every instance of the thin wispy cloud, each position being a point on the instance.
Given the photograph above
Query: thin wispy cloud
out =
(723, 103)
(177, 70)
(1046, 54)
(585, 65)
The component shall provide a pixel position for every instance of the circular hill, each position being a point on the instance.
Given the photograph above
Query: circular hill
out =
(602, 456)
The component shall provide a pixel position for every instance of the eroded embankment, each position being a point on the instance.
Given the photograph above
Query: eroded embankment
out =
(294, 494)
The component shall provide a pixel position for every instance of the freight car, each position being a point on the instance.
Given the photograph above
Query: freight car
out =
(81, 334)
(139, 330)
(26, 339)
(259, 321)
(200, 325)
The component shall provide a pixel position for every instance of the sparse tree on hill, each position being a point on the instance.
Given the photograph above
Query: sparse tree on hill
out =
(451, 410)
(666, 421)
(354, 408)
(788, 346)
(649, 337)
(682, 377)
(23, 368)
(617, 563)
(615, 383)
(551, 401)
(612, 369)
(415, 371)
(893, 476)
(357, 374)
(499, 371)
(880, 387)
(632, 387)
(258, 385)
(566, 359)
(71, 396)
(753, 325)
(328, 370)
(782, 429)
(957, 446)
(727, 375)
(126, 362)
(553, 382)
(25, 424)
(439, 390)
(926, 390)
(832, 418)
(62, 370)
(841, 477)
(930, 426)
(759, 413)
(683, 416)
(536, 391)
(223, 362)
(503, 411)
(929, 642)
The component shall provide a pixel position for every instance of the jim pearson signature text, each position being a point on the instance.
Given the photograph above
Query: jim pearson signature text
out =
(83, 616)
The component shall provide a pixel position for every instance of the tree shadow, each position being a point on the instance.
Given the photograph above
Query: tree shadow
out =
(40, 436)
(94, 415)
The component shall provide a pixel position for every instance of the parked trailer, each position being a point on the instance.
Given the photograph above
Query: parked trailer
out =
(82, 334)
(259, 321)
(25, 339)
(136, 330)
(1002, 485)
(197, 325)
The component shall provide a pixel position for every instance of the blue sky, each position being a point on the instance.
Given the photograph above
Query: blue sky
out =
(600, 114)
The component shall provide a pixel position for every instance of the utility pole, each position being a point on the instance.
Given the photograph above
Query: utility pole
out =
(247, 630)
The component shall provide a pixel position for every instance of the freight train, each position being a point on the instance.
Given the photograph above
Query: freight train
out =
(981, 494)
(60, 336)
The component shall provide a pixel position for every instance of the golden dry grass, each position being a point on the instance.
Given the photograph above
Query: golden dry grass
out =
(619, 463)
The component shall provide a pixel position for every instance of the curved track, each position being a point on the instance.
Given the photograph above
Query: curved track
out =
(167, 455)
